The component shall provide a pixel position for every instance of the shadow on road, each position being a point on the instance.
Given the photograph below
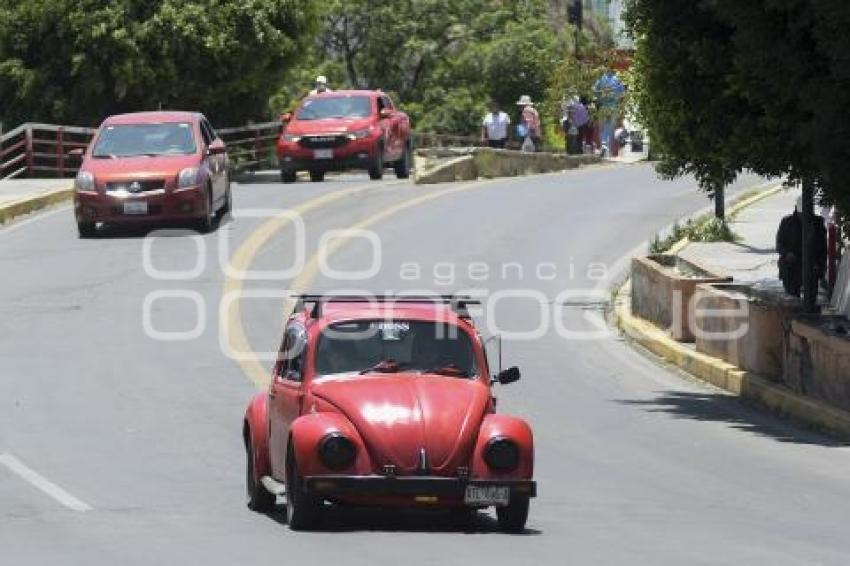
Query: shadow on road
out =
(338, 519)
(162, 229)
(731, 410)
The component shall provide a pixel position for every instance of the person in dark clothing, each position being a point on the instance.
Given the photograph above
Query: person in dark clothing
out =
(789, 246)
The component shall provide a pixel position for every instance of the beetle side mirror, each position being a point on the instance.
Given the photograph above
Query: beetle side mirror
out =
(217, 147)
(509, 375)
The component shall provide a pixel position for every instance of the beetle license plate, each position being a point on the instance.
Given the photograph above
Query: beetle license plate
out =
(323, 154)
(135, 207)
(487, 495)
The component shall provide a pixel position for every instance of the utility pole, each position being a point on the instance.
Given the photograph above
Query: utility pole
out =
(810, 281)
(575, 16)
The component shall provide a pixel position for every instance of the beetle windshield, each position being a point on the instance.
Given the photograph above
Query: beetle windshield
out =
(328, 107)
(127, 140)
(398, 345)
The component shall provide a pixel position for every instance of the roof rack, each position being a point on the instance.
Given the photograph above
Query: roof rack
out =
(458, 303)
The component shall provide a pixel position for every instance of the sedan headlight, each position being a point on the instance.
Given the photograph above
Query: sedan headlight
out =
(359, 134)
(291, 138)
(187, 178)
(336, 451)
(502, 454)
(84, 181)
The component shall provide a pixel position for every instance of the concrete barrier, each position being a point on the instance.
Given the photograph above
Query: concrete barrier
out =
(663, 286)
(471, 163)
(744, 326)
(817, 359)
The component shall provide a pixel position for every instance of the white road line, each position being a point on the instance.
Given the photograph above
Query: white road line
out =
(43, 484)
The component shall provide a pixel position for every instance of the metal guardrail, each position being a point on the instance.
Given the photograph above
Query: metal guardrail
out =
(43, 150)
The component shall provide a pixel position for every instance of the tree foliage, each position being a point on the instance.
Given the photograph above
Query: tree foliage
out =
(77, 61)
(725, 85)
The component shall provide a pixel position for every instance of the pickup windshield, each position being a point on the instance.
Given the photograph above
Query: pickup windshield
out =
(399, 345)
(128, 140)
(329, 107)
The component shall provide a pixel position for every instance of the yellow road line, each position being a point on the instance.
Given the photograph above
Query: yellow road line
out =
(242, 260)
(243, 257)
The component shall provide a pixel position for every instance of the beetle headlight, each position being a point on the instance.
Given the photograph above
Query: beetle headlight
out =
(336, 451)
(187, 178)
(84, 181)
(501, 454)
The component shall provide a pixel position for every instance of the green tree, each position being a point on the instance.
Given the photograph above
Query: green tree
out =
(77, 61)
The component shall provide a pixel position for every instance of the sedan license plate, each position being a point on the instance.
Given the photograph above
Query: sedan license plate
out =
(135, 207)
(487, 495)
(323, 153)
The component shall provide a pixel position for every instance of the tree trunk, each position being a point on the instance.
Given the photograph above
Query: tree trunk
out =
(810, 282)
(720, 203)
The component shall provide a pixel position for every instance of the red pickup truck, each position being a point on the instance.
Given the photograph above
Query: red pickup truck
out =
(347, 129)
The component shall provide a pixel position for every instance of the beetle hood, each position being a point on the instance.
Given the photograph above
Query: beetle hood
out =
(401, 416)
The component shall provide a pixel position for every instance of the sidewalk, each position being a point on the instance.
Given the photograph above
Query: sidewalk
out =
(22, 196)
(753, 259)
(812, 380)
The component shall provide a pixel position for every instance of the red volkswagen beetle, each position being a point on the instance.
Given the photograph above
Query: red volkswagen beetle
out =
(386, 401)
(153, 166)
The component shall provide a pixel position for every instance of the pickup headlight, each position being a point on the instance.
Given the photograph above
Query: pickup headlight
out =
(187, 178)
(291, 138)
(359, 134)
(84, 181)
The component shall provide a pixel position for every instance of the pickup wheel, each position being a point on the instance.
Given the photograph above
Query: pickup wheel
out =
(402, 166)
(302, 508)
(287, 176)
(317, 176)
(376, 166)
(513, 517)
(259, 499)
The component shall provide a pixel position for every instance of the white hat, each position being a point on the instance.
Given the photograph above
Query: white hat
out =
(525, 100)
(322, 79)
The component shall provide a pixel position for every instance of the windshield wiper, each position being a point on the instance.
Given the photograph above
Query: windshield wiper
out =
(450, 370)
(385, 366)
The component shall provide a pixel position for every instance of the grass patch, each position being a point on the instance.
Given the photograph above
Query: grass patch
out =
(705, 228)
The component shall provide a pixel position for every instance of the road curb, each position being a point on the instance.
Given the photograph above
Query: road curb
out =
(20, 207)
(746, 385)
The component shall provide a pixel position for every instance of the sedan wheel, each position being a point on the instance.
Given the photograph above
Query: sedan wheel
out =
(317, 176)
(205, 222)
(87, 229)
(287, 176)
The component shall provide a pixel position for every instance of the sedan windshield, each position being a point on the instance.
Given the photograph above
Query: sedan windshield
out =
(398, 345)
(126, 140)
(327, 107)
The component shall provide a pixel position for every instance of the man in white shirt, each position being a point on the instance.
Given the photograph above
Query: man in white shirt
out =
(494, 128)
(321, 86)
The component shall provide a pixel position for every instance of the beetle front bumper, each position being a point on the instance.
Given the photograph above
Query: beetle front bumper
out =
(410, 489)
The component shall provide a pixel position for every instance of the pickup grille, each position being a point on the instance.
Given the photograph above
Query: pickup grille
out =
(320, 142)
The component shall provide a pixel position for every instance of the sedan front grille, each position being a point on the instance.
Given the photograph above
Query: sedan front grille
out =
(136, 187)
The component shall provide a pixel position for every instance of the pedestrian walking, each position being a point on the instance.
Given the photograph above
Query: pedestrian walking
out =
(530, 122)
(575, 125)
(494, 127)
(321, 86)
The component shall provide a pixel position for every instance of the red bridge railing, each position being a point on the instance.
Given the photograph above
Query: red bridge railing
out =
(43, 150)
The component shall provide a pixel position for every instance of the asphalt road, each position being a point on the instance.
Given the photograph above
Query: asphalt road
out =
(120, 447)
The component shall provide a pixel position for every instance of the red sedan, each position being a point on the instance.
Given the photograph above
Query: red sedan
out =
(153, 166)
(348, 129)
(386, 401)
